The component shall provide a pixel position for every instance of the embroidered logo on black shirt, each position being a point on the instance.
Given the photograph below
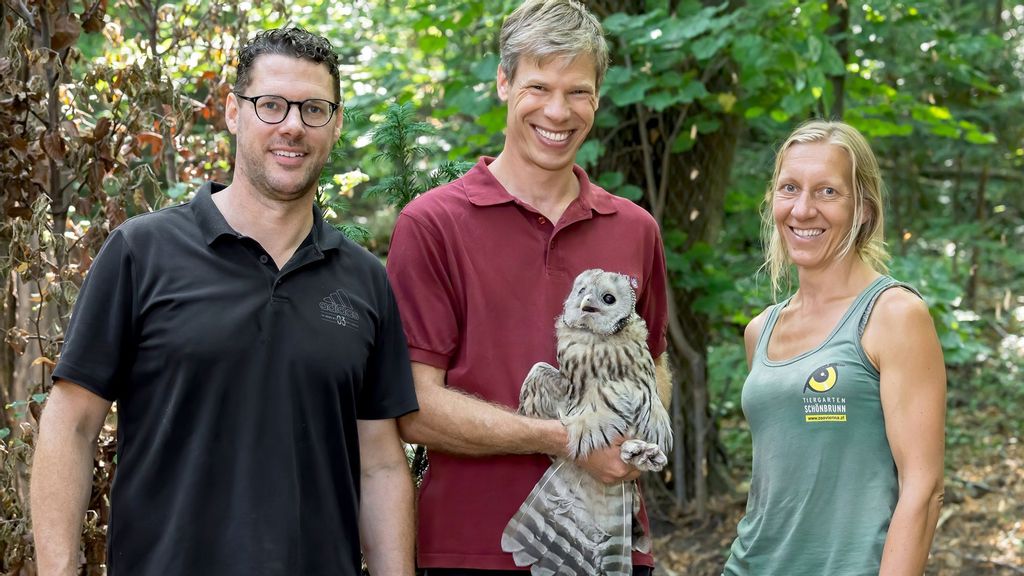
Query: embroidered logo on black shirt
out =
(337, 308)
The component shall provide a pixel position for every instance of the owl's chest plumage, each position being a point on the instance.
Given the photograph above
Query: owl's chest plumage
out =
(597, 364)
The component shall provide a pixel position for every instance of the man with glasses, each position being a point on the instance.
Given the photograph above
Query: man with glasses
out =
(257, 359)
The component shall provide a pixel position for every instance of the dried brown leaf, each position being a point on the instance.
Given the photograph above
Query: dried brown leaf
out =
(101, 130)
(66, 31)
(151, 140)
(54, 146)
(71, 128)
(94, 18)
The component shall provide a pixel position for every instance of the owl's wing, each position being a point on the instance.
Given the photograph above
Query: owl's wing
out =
(573, 524)
(543, 393)
(653, 424)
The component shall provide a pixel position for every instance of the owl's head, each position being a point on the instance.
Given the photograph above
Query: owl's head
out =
(601, 302)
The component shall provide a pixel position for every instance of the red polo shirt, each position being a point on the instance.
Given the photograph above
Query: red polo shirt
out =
(480, 277)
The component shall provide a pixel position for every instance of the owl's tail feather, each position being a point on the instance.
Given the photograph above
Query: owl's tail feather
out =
(573, 524)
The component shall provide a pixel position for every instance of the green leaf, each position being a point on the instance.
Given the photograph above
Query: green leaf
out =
(945, 130)
(494, 119)
(661, 100)
(683, 143)
(619, 23)
(692, 91)
(814, 48)
(610, 180)
(355, 232)
(831, 63)
(432, 44)
(975, 137)
(177, 190)
(589, 152)
(629, 192)
(468, 101)
(616, 76)
(4, 433)
(708, 46)
(631, 94)
(486, 69)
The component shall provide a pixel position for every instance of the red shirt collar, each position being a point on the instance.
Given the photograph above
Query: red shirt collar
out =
(490, 192)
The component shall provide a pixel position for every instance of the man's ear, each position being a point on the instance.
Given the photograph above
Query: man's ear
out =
(231, 112)
(503, 85)
(339, 121)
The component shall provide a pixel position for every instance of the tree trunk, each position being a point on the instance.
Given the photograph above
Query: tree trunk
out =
(974, 275)
(837, 32)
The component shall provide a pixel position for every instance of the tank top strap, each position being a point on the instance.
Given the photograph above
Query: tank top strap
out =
(866, 302)
(761, 350)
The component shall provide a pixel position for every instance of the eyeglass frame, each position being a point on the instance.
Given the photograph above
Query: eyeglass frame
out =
(254, 99)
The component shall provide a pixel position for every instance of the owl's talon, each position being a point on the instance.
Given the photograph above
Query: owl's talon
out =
(643, 455)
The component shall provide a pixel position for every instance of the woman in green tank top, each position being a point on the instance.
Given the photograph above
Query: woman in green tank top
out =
(847, 385)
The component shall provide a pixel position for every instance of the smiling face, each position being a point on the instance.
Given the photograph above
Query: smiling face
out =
(551, 107)
(813, 203)
(282, 161)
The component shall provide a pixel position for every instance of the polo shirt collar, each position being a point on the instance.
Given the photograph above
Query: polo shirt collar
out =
(208, 217)
(213, 225)
(483, 189)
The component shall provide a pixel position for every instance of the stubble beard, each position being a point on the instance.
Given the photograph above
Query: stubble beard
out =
(259, 177)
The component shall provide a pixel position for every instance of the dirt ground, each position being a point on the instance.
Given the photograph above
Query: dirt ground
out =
(981, 526)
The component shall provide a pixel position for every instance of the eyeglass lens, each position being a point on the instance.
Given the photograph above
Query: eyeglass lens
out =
(273, 109)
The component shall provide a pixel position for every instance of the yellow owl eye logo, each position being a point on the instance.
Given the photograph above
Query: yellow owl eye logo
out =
(822, 379)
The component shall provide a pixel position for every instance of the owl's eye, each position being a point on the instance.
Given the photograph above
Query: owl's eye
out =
(608, 299)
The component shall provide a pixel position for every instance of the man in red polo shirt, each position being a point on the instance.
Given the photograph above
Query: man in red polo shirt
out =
(480, 268)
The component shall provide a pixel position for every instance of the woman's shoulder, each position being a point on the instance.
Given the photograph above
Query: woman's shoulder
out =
(753, 331)
(899, 321)
(757, 323)
(899, 304)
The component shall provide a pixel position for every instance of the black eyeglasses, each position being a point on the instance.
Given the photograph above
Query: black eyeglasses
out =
(314, 112)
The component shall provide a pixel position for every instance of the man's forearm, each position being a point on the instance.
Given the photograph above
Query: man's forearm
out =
(386, 525)
(454, 422)
(60, 488)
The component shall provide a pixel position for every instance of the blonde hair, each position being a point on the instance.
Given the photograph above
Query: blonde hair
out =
(866, 238)
(543, 29)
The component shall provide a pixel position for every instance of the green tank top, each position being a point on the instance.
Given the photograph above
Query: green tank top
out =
(824, 485)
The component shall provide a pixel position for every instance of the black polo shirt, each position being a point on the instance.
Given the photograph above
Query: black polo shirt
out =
(238, 387)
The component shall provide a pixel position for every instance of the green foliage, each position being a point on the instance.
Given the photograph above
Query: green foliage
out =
(398, 138)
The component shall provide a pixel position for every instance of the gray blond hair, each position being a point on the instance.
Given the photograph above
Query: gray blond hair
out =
(866, 239)
(543, 29)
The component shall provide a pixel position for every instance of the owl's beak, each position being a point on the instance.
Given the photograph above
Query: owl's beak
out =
(585, 305)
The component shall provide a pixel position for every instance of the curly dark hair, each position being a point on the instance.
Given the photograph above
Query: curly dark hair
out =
(295, 42)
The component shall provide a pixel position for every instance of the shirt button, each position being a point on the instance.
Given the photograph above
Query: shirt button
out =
(542, 220)
(263, 259)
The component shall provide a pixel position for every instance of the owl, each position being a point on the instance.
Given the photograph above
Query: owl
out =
(603, 389)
